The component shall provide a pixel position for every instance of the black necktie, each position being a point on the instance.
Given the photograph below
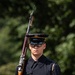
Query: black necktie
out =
(34, 65)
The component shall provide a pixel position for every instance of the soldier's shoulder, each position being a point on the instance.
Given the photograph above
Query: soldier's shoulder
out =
(49, 61)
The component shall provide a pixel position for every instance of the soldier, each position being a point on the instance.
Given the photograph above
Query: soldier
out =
(38, 64)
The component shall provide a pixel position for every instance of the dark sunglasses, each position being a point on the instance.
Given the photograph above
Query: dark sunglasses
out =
(36, 45)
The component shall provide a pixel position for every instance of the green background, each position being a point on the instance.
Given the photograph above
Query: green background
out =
(54, 17)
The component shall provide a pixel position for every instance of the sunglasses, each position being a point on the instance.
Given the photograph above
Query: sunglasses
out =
(36, 45)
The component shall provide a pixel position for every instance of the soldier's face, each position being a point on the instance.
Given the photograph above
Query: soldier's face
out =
(37, 50)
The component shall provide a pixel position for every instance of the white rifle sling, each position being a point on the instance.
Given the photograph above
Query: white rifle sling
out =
(53, 66)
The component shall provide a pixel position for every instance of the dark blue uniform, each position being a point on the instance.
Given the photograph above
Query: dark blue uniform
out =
(41, 67)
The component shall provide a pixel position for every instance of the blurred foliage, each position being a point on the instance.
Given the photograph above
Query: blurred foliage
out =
(54, 17)
(65, 51)
(5, 69)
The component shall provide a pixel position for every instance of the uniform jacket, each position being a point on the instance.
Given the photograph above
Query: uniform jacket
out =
(42, 67)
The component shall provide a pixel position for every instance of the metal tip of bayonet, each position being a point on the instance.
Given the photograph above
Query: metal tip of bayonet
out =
(34, 8)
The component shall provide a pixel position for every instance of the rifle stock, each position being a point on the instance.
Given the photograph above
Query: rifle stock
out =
(24, 49)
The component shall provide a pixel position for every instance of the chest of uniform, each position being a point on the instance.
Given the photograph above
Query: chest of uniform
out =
(39, 70)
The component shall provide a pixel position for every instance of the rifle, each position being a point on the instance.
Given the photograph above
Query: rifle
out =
(24, 49)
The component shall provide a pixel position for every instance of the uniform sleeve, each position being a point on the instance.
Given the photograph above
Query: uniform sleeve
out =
(56, 70)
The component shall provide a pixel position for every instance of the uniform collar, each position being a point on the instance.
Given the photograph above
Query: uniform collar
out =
(40, 61)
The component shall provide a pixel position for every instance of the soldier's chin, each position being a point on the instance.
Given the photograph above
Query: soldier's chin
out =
(36, 54)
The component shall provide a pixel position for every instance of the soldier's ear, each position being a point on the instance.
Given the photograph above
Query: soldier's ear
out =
(29, 46)
(44, 46)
